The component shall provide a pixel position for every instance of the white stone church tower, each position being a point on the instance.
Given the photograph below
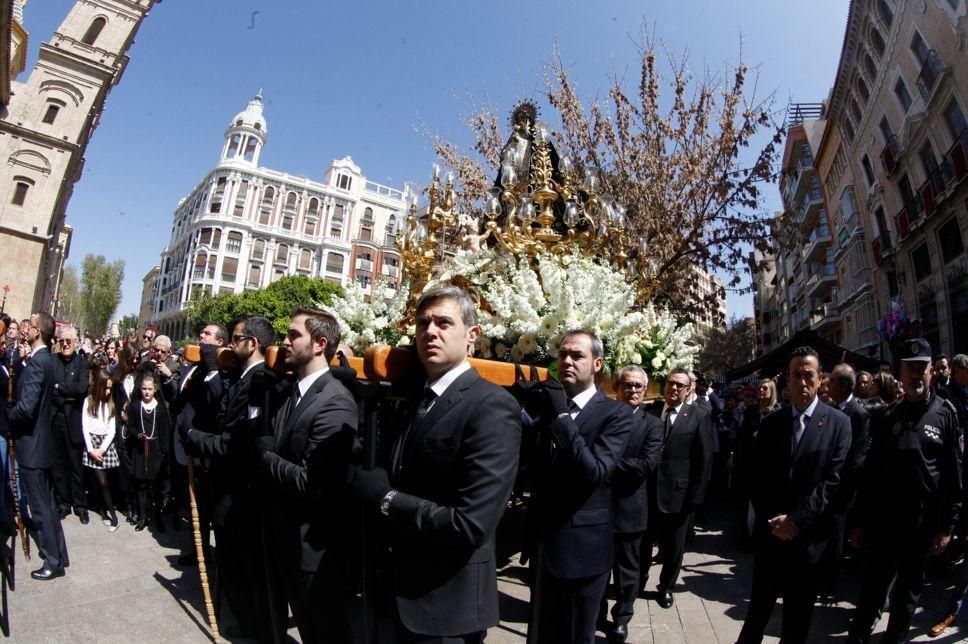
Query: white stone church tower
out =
(43, 134)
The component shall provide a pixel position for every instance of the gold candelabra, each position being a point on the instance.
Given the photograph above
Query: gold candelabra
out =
(537, 205)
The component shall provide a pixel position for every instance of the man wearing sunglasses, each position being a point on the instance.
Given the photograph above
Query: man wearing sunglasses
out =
(70, 390)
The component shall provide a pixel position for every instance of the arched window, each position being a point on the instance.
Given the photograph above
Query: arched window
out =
(886, 13)
(250, 145)
(305, 259)
(269, 195)
(870, 66)
(200, 260)
(336, 225)
(334, 263)
(50, 114)
(862, 89)
(90, 36)
(259, 249)
(855, 109)
(877, 41)
(368, 215)
(313, 208)
(282, 254)
(291, 201)
(21, 186)
(233, 243)
(240, 198)
(255, 276)
(234, 145)
(265, 211)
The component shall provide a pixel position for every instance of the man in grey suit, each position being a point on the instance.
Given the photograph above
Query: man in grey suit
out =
(452, 466)
(31, 420)
(680, 481)
(305, 464)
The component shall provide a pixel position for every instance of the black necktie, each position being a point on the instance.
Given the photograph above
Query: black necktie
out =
(291, 404)
(401, 447)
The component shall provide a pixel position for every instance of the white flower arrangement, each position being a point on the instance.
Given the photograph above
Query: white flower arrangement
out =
(363, 323)
(526, 307)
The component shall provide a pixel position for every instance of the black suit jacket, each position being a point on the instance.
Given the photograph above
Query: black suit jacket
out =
(455, 477)
(228, 441)
(860, 443)
(71, 380)
(306, 474)
(803, 484)
(685, 461)
(577, 513)
(31, 417)
(630, 507)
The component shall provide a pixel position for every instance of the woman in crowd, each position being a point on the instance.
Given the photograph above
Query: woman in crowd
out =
(122, 392)
(112, 348)
(766, 402)
(146, 431)
(882, 391)
(865, 380)
(99, 430)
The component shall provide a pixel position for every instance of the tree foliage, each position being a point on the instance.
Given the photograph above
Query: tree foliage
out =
(128, 324)
(100, 291)
(682, 166)
(275, 302)
(727, 348)
(69, 308)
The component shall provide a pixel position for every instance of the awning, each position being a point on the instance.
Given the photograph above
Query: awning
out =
(777, 361)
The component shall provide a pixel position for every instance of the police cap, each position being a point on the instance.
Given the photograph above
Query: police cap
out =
(916, 350)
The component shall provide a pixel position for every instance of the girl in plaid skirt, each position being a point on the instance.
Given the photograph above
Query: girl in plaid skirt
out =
(98, 426)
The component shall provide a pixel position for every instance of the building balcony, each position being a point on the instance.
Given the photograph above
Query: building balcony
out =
(820, 281)
(825, 317)
(931, 71)
(890, 155)
(819, 239)
(812, 202)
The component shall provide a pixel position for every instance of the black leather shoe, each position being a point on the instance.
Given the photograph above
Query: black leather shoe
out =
(665, 599)
(45, 573)
(84, 517)
(620, 633)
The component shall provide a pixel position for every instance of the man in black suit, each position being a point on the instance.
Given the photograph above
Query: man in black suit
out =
(630, 496)
(236, 514)
(31, 429)
(70, 390)
(196, 406)
(305, 465)
(797, 462)
(840, 387)
(588, 433)
(452, 464)
(679, 482)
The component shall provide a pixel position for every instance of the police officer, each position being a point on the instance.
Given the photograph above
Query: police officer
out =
(910, 497)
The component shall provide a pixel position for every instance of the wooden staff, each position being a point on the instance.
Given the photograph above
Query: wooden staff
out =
(200, 552)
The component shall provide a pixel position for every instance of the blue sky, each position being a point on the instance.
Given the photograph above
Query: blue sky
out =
(358, 78)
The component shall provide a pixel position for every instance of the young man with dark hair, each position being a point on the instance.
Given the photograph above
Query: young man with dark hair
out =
(31, 429)
(445, 486)
(304, 466)
(797, 461)
(232, 481)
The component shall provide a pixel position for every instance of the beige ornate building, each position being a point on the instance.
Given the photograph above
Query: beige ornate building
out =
(13, 41)
(890, 168)
(44, 131)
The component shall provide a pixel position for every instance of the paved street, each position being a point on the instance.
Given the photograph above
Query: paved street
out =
(126, 587)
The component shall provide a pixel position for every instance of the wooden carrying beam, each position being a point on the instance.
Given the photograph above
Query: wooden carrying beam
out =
(381, 363)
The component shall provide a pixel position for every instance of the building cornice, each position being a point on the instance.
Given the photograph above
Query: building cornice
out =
(848, 51)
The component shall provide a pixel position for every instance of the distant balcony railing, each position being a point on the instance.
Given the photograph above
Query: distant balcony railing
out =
(931, 69)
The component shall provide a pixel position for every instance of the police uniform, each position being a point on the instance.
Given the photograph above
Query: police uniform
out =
(911, 493)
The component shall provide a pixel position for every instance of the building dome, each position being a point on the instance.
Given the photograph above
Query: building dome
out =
(251, 116)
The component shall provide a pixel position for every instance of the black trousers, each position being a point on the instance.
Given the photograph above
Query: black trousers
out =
(899, 556)
(779, 573)
(625, 577)
(240, 558)
(669, 531)
(68, 470)
(568, 610)
(829, 571)
(44, 524)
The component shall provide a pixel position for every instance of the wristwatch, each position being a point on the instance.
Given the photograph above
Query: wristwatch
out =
(385, 503)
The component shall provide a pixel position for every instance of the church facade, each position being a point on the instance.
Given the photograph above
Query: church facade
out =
(245, 226)
(44, 131)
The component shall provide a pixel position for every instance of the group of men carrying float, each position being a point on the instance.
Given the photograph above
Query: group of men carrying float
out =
(288, 493)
